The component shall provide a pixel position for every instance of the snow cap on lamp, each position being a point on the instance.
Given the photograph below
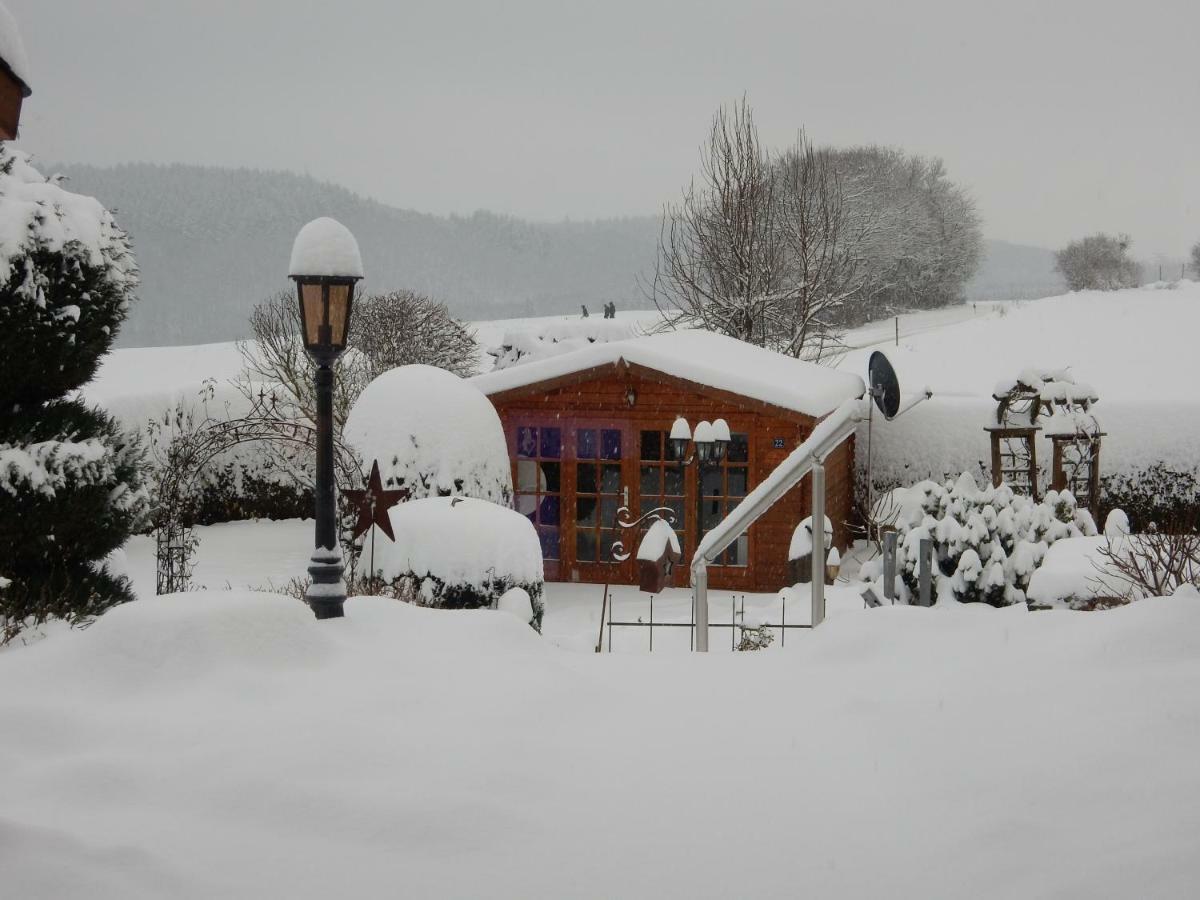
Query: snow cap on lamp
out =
(325, 248)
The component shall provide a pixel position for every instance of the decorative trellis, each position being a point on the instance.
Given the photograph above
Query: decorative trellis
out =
(175, 546)
(1076, 466)
(1052, 401)
(1014, 458)
(184, 445)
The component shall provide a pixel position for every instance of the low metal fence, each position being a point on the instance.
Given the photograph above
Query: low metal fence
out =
(734, 625)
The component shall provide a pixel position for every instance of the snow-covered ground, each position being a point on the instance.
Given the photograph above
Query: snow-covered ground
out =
(228, 744)
(266, 555)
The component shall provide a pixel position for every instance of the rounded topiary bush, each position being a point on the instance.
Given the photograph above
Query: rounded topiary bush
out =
(432, 433)
(71, 489)
(460, 553)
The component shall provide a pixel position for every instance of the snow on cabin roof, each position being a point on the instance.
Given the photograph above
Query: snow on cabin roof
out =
(12, 49)
(705, 358)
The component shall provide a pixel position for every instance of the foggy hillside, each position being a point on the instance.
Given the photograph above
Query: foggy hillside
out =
(211, 242)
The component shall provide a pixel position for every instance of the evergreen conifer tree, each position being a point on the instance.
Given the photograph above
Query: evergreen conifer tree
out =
(71, 489)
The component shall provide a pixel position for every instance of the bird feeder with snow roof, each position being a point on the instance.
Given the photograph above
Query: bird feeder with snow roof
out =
(657, 553)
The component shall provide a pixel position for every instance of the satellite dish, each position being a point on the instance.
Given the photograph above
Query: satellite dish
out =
(885, 387)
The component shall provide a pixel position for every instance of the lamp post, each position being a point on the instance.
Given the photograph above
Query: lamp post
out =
(709, 440)
(325, 266)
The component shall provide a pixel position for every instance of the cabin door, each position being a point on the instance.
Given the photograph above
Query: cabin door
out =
(599, 480)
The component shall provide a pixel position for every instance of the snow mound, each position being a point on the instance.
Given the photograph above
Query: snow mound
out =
(530, 342)
(325, 247)
(516, 601)
(460, 540)
(433, 433)
(181, 637)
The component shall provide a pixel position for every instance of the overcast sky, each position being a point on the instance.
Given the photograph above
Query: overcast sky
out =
(1063, 118)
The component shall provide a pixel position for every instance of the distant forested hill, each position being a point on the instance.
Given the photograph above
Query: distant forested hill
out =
(211, 242)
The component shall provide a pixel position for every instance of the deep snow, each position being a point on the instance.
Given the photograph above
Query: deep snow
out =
(228, 744)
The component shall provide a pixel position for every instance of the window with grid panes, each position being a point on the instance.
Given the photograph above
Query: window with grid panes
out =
(660, 479)
(598, 496)
(723, 487)
(539, 483)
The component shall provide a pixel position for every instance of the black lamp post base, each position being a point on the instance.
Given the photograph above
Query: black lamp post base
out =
(327, 593)
(327, 609)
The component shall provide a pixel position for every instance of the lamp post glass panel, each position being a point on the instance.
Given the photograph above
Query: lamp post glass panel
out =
(325, 266)
(710, 441)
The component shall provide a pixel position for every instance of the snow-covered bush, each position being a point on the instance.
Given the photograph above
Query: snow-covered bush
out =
(71, 490)
(1097, 262)
(460, 553)
(987, 543)
(432, 433)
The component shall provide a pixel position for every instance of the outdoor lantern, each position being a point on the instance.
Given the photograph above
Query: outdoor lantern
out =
(721, 439)
(705, 441)
(325, 266)
(681, 434)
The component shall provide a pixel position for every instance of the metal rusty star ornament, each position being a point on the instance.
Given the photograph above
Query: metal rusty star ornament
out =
(373, 503)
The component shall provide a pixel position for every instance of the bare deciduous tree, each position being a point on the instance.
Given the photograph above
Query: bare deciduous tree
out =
(402, 327)
(386, 331)
(822, 270)
(784, 251)
(721, 261)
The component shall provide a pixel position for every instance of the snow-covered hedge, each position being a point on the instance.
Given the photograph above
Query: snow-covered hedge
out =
(460, 553)
(432, 433)
(987, 542)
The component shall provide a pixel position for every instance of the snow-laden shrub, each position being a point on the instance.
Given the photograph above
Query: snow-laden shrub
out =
(432, 433)
(987, 543)
(459, 553)
(67, 277)
(71, 489)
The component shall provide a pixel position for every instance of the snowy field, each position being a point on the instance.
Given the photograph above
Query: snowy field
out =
(1136, 347)
(226, 744)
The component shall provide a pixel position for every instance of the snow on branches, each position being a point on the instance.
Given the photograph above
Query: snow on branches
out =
(987, 543)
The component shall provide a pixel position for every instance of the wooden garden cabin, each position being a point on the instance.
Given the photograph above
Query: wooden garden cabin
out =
(588, 432)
